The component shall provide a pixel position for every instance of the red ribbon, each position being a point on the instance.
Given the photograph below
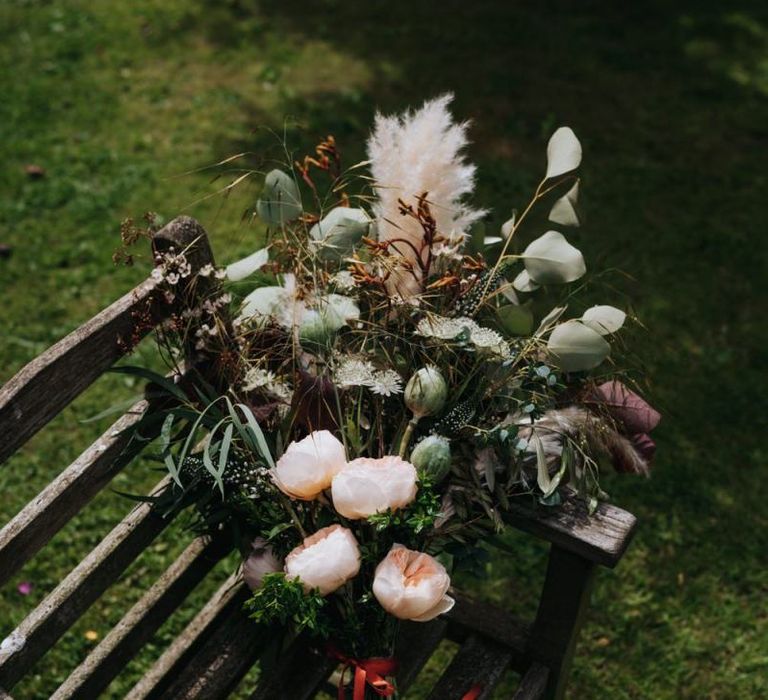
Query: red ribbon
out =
(367, 671)
(473, 693)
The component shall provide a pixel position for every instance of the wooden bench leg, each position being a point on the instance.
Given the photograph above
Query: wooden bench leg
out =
(564, 601)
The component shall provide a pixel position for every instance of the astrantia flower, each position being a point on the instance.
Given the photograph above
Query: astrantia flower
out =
(386, 383)
(484, 339)
(353, 372)
(443, 328)
(356, 372)
(489, 341)
(259, 378)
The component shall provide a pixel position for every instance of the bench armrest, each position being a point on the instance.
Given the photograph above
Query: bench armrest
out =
(601, 538)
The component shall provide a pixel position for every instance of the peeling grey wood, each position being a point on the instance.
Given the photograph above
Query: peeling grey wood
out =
(52, 380)
(127, 637)
(602, 537)
(479, 662)
(75, 594)
(65, 496)
(230, 595)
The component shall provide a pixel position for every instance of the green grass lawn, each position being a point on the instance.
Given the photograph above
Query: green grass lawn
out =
(116, 101)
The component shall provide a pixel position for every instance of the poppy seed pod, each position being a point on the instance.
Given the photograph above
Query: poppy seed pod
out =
(432, 457)
(426, 392)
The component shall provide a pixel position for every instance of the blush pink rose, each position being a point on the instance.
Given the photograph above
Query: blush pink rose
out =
(325, 560)
(412, 585)
(308, 466)
(367, 486)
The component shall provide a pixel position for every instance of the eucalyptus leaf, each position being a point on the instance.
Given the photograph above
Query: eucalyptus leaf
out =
(335, 236)
(604, 319)
(280, 201)
(577, 347)
(247, 266)
(550, 259)
(264, 301)
(524, 283)
(563, 152)
(515, 320)
(549, 320)
(542, 471)
(563, 211)
(508, 226)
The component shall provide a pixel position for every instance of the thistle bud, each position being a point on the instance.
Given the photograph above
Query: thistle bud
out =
(426, 392)
(432, 457)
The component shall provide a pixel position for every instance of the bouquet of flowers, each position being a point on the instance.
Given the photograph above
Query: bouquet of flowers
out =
(378, 390)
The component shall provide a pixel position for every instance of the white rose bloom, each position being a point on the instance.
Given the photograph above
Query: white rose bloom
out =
(307, 467)
(325, 560)
(412, 585)
(367, 486)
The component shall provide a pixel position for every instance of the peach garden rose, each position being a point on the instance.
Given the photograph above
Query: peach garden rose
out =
(412, 585)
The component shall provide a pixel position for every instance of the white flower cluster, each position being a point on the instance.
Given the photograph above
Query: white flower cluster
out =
(484, 339)
(449, 250)
(170, 267)
(207, 270)
(204, 333)
(259, 378)
(353, 372)
(344, 281)
(211, 306)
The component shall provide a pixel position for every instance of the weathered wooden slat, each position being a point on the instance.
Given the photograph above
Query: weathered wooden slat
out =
(226, 655)
(53, 379)
(106, 661)
(75, 594)
(299, 672)
(470, 617)
(65, 496)
(416, 642)
(533, 684)
(480, 663)
(602, 537)
(47, 384)
(562, 608)
(230, 596)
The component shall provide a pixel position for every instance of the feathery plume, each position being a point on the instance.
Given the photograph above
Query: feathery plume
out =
(413, 153)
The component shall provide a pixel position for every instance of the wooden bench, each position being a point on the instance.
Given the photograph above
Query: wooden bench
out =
(220, 645)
